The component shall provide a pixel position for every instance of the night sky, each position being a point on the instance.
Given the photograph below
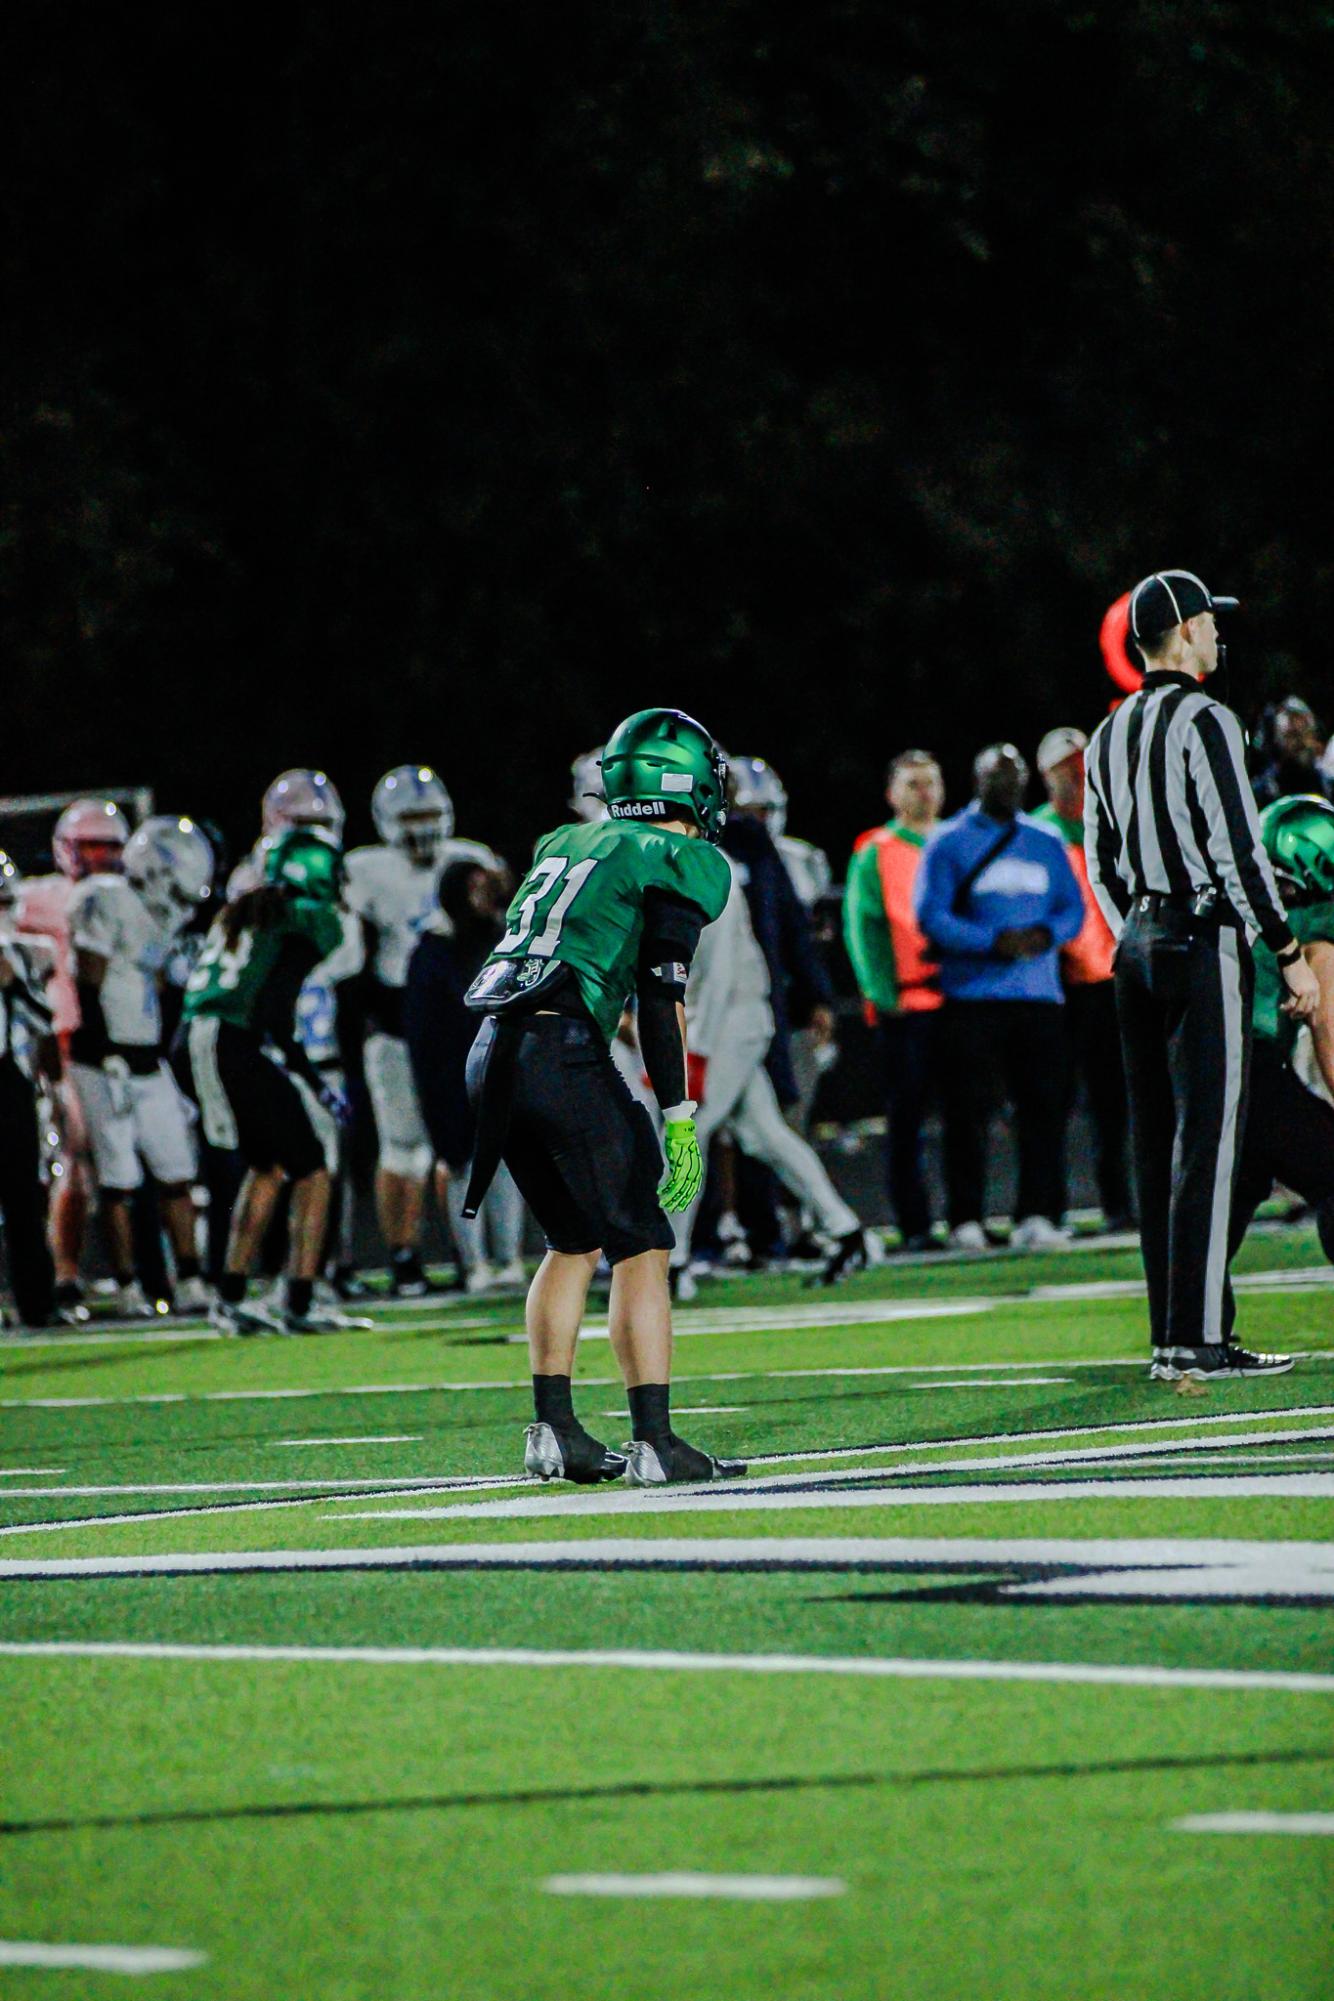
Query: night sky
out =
(444, 382)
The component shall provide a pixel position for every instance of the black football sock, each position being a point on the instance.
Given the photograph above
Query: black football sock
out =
(231, 1288)
(187, 1268)
(300, 1292)
(124, 1278)
(650, 1415)
(552, 1403)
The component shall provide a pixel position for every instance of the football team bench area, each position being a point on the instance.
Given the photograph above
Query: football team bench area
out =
(1006, 1673)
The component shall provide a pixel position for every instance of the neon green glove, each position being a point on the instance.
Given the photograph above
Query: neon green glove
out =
(685, 1166)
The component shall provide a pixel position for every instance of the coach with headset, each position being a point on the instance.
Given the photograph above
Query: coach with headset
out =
(1176, 862)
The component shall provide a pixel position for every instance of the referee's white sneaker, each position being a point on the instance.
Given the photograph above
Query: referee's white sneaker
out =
(967, 1237)
(1218, 1361)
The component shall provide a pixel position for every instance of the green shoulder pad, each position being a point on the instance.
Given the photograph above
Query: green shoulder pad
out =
(697, 871)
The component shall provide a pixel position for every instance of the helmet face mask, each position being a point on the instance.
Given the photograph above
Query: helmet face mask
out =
(89, 839)
(1298, 836)
(413, 811)
(756, 786)
(586, 796)
(660, 764)
(170, 864)
(306, 863)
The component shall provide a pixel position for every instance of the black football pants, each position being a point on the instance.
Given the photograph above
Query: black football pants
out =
(1289, 1138)
(1094, 1047)
(23, 1198)
(1183, 999)
(910, 1045)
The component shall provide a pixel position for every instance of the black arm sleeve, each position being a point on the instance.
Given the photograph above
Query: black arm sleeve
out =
(671, 933)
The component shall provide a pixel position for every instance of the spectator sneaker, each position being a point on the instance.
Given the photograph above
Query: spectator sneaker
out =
(1219, 1361)
(967, 1237)
(514, 1273)
(675, 1464)
(1038, 1233)
(480, 1277)
(132, 1302)
(191, 1297)
(681, 1282)
(569, 1454)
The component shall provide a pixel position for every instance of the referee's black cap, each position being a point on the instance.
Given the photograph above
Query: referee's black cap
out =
(1168, 598)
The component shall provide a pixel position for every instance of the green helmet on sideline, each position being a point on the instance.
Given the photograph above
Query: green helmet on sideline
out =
(662, 765)
(1298, 835)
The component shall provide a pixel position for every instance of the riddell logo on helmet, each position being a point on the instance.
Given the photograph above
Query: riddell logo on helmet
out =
(639, 809)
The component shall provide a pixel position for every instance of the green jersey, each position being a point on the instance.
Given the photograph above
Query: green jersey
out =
(1309, 922)
(254, 982)
(582, 903)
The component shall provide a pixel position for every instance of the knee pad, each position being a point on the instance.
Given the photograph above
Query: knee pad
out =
(412, 1162)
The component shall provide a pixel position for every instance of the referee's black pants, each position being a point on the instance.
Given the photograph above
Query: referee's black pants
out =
(1183, 1000)
(23, 1198)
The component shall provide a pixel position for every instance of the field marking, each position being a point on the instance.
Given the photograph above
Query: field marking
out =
(1017, 1383)
(381, 1438)
(689, 1883)
(100, 1958)
(614, 1382)
(1255, 1823)
(1101, 1568)
(689, 1410)
(390, 1483)
(654, 1661)
(725, 1497)
(28, 1472)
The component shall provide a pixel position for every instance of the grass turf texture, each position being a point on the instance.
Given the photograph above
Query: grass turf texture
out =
(349, 1829)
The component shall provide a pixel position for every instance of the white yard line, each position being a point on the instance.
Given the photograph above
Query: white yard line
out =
(1014, 1383)
(29, 1472)
(689, 1883)
(1255, 1823)
(726, 1498)
(855, 1667)
(99, 1958)
(1268, 1569)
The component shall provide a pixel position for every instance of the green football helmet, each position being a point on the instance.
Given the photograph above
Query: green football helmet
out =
(1298, 834)
(662, 765)
(307, 862)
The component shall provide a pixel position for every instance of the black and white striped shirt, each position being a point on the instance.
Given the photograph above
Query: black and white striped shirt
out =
(23, 1005)
(1168, 808)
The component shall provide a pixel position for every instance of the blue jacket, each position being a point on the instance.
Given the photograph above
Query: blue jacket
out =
(1030, 882)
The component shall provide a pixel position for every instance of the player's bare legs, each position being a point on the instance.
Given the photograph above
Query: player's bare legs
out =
(310, 1216)
(115, 1207)
(555, 1309)
(69, 1220)
(641, 1319)
(399, 1201)
(256, 1200)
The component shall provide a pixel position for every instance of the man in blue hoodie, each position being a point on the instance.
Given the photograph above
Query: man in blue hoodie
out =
(997, 898)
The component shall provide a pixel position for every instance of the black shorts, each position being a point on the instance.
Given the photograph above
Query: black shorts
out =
(247, 1103)
(585, 1156)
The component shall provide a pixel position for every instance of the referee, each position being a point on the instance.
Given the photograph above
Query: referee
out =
(1176, 862)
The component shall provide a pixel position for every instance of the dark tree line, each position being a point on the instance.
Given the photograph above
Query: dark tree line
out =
(446, 381)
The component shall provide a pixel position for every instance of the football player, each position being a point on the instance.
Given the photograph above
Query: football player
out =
(89, 839)
(391, 888)
(122, 926)
(587, 803)
(239, 1006)
(25, 1037)
(606, 910)
(1289, 1135)
(304, 797)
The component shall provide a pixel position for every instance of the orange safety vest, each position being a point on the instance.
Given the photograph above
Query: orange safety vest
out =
(1088, 957)
(914, 968)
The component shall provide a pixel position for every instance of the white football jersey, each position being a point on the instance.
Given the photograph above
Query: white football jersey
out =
(382, 886)
(808, 867)
(107, 916)
(43, 912)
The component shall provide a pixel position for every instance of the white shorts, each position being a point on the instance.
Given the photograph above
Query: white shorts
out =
(405, 1144)
(133, 1122)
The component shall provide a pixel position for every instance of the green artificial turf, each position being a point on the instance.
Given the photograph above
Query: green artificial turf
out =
(351, 1829)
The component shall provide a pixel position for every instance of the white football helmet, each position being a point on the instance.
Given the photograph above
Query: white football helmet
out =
(758, 784)
(170, 862)
(412, 810)
(302, 798)
(586, 800)
(89, 838)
